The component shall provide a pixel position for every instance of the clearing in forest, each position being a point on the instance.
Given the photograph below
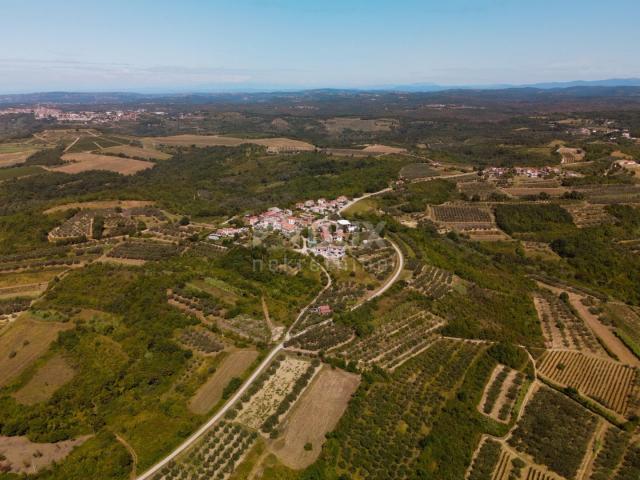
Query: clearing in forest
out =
(46, 381)
(83, 162)
(274, 145)
(23, 342)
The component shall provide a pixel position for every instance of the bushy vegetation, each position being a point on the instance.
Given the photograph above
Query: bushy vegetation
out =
(532, 218)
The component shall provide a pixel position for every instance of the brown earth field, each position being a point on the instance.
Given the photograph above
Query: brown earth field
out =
(82, 162)
(210, 393)
(30, 280)
(136, 152)
(23, 342)
(99, 205)
(313, 416)
(23, 457)
(524, 191)
(339, 124)
(216, 140)
(14, 158)
(44, 383)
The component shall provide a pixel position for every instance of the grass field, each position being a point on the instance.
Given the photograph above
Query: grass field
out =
(277, 144)
(83, 162)
(20, 171)
(327, 398)
(49, 378)
(23, 342)
(8, 280)
(137, 152)
(209, 394)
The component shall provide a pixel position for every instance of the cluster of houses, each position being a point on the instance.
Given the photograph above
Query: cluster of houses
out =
(327, 237)
(279, 220)
(323, 206)
(44, 112)
(529, 172)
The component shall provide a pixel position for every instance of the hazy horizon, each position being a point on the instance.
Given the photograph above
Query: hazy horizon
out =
(199, 46)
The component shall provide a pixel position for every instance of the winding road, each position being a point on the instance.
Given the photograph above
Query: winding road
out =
(229, 404)
(267, 360)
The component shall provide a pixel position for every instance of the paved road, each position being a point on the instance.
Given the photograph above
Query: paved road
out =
(225, 408)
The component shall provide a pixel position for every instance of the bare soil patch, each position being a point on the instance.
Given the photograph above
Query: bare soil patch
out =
(384, 149)
(100, 205)
(14, 158)
(210, 393)
(82, 162)
(137, 152)
(49, 378)
(23, 342)
(314, 415)
(25, 456)
(272, 144)
(338, 125)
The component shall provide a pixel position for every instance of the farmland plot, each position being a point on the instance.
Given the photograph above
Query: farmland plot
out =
(610, 455)
(214, 456)
(501, 393)
(321, 338)
(144, 250)
(261, 407)
(395, 342)
(496, 461)
(589, 215)
(431, 281)
(26, 457)
(460, 214)
(49, 378)
(376, 260)
(608, 382)
(561, 328)
(233, 365)
(555, 431)
(327, 397)
(23, 343)
(381, 432)
(478, 190)
(83, 162)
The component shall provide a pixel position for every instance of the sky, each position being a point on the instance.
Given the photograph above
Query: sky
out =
(212, 45)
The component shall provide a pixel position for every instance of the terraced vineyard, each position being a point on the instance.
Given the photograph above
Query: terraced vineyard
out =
(201, 340)
(501, 393)
(555, 431)
(460, 214)
(395, 342)
(215, 456)
(380, 434)
(144, 250)
(431, 281)
(589, 215)
(380, 262)
(485, 460)
(321, 338)
(561, 328)
(608, 382)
